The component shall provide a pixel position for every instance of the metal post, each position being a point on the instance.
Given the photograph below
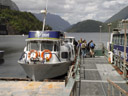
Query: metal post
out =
(120, 93)
(113, 91)
(108, 89)
(125, 44)
(109, 25)
(100, 32)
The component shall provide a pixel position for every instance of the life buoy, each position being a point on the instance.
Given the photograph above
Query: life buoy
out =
(46, 51)
(33, 51)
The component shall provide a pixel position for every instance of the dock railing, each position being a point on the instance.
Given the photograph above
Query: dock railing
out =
(73, 82)
(99, 49)
(105, 51)
(112, 86)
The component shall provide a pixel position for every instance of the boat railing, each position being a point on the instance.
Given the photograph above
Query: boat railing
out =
(54, 54)
(22, 57)
(112, 86)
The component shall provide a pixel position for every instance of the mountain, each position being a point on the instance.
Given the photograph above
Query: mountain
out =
(9, 3)
(86, 26)
(55, 21)
(123, 14)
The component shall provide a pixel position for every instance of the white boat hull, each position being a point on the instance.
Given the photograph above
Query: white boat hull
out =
(39, 72)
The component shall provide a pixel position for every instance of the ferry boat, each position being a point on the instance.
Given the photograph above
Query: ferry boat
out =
(116, 46)
(46, 55)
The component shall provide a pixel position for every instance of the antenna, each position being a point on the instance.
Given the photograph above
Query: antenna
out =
(45, 13)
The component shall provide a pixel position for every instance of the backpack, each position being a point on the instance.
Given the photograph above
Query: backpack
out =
(92, 45)
(83, 45)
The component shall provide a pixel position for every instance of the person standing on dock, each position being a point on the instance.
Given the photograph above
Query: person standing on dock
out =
(76, 44)
(83, 48)
(92, 46)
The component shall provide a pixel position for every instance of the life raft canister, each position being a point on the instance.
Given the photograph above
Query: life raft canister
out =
(33, 52)
(109, 59)
(46, 51)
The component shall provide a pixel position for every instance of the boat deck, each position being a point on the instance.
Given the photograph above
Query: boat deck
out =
(94, 77)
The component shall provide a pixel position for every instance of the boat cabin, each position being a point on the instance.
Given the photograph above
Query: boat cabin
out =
(47, 48)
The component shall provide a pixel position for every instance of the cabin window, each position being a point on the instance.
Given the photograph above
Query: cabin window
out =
(34, 45)
(68, 40)
(114, 39)
(119, 40)
(56, 47)
(69, 54)
(47, 45)
(64, 55)
(127, 40)
(123, 40)
(28, 46)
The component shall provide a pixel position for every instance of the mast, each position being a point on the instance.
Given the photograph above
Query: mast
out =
(45, 14)
(44, 20)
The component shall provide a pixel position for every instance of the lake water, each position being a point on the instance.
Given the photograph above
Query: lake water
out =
(13, 46)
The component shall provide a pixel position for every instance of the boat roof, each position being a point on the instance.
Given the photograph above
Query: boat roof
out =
(43, 39)
(70, 37)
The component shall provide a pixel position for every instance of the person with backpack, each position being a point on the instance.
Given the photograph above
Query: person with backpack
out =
(92, 46)
(83, 48)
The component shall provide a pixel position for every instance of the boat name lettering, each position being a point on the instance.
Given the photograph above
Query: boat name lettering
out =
(44, 35)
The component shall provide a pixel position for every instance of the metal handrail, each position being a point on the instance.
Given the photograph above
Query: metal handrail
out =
(122, 91)
(56, 56)
(73, 78)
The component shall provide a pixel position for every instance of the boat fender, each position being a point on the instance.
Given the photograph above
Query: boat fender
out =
(46, 51)
(33, 51)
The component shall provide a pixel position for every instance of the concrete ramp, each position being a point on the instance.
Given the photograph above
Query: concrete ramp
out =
(29, 88)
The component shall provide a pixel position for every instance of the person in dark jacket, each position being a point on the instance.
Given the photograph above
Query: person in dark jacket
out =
(91, 46)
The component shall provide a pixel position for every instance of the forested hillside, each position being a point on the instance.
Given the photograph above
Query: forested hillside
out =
(91, 26)
(86, 26)
(19, 22)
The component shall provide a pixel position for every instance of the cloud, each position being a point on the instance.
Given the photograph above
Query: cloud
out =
(75, 10)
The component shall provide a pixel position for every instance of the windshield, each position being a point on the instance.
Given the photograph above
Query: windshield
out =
(47, 45)
(34, 45)
(68, 40)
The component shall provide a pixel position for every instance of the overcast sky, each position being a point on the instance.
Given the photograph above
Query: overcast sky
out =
(75, 10)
